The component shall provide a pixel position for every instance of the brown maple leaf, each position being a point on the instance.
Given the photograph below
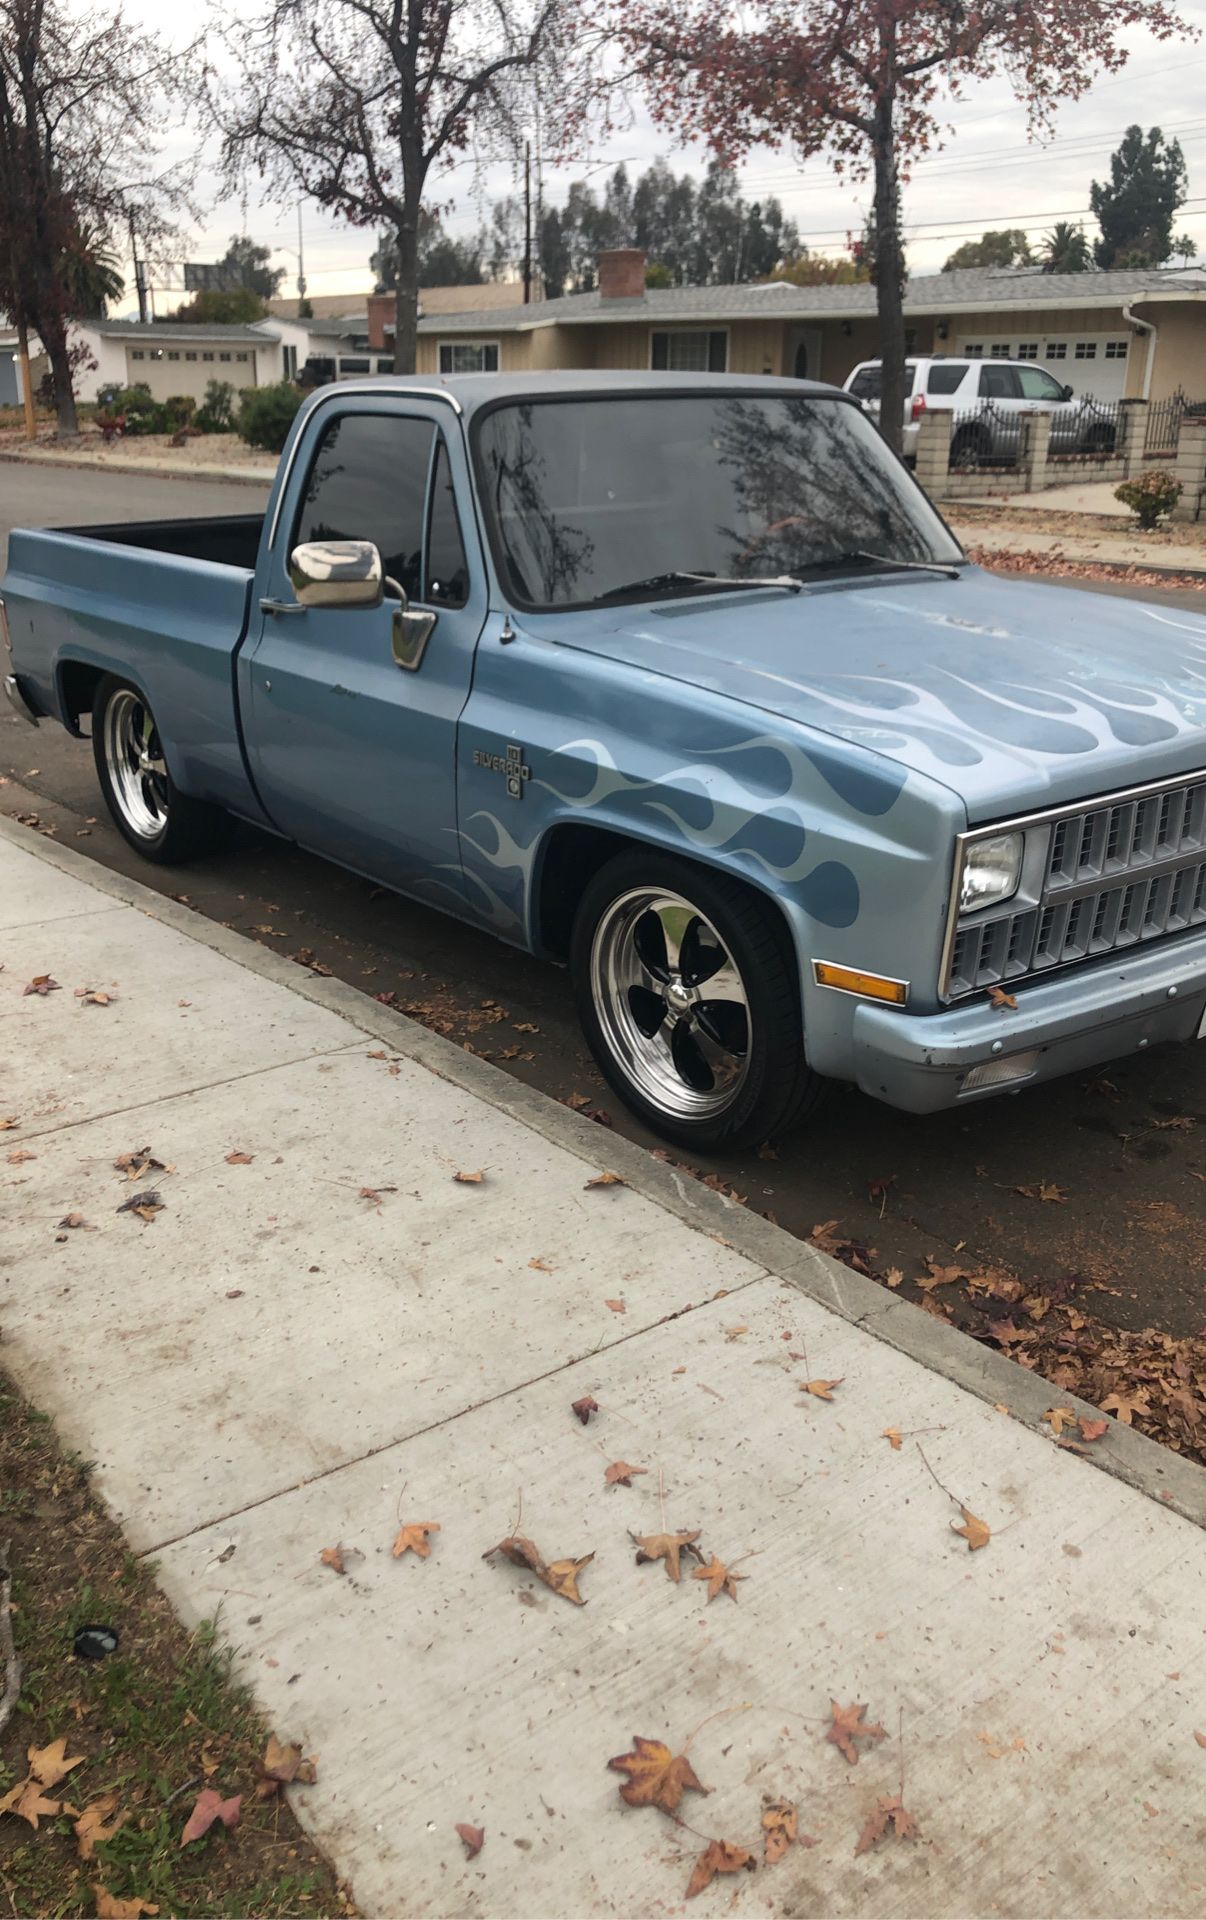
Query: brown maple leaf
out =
(237, 1158)
(821, 1389)
(973, 1531)
(719, 1856)
(472, 1837)
(209, 1807)
(76, 1220)
(1092, 1429)
(656, 1777)
(28, 1801)
(560, 1576)
(607, 1180)
(97, 1823)
(282, 1765)
(1124, 1406)
(779, 1830)
(894, 1438)
(889, 1813)
(7, 1124)
(20, 1155)
(936, 1276)
(93, 997)
(664, 1546)
(42, 984)
(49, 1765)
(109, 1907)
(847, 1726)
(145, 1205)
(333, 1557)
(1058, 1418)
(412, 1538)
(617, 1306)
(999, 999)
(584, 1407)
(620, 1472)
(1043, 1190)
(719, 1579)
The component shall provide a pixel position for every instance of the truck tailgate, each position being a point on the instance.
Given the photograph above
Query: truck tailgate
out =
(169, 624)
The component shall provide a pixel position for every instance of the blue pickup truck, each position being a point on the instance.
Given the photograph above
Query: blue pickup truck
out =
(683, 681)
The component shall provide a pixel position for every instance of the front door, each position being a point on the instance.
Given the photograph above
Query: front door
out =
(802, 354)
(354, 755)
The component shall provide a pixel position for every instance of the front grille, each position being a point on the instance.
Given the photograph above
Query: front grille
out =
(1117, 875)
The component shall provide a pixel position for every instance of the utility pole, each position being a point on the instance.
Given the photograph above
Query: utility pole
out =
(527, 223)
(301, 264)
(31, 425)
(139, 279)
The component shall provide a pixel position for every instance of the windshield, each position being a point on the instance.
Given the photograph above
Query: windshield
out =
(590, 500)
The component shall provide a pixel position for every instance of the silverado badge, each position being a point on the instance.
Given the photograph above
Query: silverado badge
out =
(511, 765)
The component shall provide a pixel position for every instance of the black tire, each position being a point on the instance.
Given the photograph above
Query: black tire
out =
(968, 448)
(1101, 440)
(148, 809)
(747, 1033)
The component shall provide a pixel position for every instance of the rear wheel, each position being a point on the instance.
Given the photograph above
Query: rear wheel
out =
(687, 994)
(148, 808)
(970, 446)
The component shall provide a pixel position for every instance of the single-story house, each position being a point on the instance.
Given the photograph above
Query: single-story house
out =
(173, 356)
(1140, 333)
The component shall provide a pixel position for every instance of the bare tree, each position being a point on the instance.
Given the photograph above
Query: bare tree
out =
(362, 105)
(80, 111)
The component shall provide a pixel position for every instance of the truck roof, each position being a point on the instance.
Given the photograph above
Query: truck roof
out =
(470, 392)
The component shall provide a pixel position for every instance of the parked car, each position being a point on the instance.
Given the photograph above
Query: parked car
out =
(999, 393)
(680, 680)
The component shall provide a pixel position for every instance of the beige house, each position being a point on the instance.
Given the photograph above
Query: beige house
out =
(1139, 334)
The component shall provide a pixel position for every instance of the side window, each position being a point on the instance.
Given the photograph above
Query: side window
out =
(368, 481)
(865, 384)
(1039, 385)
(998, 383)
(946, 379)
(447, 572)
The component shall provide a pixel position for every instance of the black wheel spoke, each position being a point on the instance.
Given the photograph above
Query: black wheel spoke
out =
(649, 939)
(726, 1022)
(688, 1059)
(648, 1009)
(701, 954)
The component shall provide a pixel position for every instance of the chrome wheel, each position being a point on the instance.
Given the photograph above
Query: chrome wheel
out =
(135, 764)
(671, 1004)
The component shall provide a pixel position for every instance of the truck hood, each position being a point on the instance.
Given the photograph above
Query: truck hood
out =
(1013, 695)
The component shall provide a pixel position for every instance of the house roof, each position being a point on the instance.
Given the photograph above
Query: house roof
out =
(970, 290)
(167, 330)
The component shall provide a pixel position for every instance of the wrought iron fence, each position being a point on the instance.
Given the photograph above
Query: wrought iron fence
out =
(1088, 432)
(988, 438)
(1162, 424)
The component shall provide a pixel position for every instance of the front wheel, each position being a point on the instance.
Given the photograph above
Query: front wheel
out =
(148, 808)
(687, 994)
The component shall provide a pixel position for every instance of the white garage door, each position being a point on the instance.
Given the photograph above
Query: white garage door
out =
(1090, 363)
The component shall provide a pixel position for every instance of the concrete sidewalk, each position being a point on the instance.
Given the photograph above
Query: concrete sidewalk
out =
(280, 1363)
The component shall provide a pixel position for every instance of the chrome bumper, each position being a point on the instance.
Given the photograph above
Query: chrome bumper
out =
(17, 700)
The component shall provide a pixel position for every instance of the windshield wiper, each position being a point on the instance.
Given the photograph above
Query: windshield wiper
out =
(946, 567)
(725, 583)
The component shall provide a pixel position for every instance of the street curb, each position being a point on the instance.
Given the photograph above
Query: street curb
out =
(1143, 1464)
(229, 475)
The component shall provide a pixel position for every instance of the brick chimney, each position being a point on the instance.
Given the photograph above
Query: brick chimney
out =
(382, 318)
(622, 274)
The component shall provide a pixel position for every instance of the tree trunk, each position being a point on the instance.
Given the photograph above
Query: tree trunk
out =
(54, 339)
(889, 276)
(406, 318)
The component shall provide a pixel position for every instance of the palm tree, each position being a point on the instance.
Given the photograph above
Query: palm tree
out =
(1065, 249)
(91, 278)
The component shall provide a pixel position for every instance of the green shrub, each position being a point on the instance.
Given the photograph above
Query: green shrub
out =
(143, 412)
(266, 415)
(178, 410)
(1150, 496)
(216, 413)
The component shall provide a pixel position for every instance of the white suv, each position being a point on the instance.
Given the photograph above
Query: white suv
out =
(994, 395)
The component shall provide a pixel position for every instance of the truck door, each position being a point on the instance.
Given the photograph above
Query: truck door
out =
(354, 755)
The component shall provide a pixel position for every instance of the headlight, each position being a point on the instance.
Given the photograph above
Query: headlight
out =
(991, 871)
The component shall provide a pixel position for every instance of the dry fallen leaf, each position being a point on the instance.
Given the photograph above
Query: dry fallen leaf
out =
(109, 1907)
(283, 1765)
(93, 997)
(848, 1726)
(21, 1154)
(1043, 1190)
(607, 1180)
(719, 1579)
(620, 1472)
(237, 1158)
(584, 1407)
(973, 1531)
(540, 1266)
(560, 1576)
(470, 1179)
(76, 1220)
(6, 1125)
(719, 1856)
(209, 1807)
(1058, 1418)
(999, 999)
(664, 1546)
(42, 984)
(146, 1205)
(333, 1557)
(97, 1823)
(779, 1829)
(1092, 1429)
(617, 1306)
(1200, 1738)
(890, 1812)
(894, 1437)
(656, 1777)
(821, 1389)
(472, 1837)
(1124, 1406)
(49, 1765)
(28, 1801)
(412, 1538)
(374, 1194)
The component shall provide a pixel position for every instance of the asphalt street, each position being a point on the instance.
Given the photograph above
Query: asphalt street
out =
(1127, 1147)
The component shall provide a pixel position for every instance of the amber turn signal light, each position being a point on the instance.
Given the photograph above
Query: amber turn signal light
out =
(870, 986)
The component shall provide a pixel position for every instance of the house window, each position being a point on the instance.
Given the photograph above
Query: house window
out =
(682, 352)
(224, 356)
(1028, 350)
(1086, 349)
(468, 356)
(974, 349)
(136, 353)
(190, 356)
(1117, 349)
(207, 356)
(355, 366)
(289, 355)
(910, 340)
(173, 356)
(1000, 350)
(386, 366)
(1056, 350)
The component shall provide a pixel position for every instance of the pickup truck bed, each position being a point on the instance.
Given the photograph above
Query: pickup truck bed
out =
(225, 540)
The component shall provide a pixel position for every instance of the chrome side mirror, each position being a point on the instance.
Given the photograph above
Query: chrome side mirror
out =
(337, 573)
(410, 629)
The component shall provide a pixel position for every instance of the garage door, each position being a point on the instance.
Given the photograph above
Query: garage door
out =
(1090, 363)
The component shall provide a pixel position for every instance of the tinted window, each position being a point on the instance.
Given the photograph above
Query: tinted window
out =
(998, 383)
(868, 381)
(592, 500)
(447, 573)
(369, 482)
(944, 379)
(1037, 385)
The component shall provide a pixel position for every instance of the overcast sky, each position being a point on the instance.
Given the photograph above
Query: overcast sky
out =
(987, 175)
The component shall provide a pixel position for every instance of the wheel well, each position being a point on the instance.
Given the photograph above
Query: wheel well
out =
(571, 858)
(78, 682)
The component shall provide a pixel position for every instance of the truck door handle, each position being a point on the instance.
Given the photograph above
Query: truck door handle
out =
(281, 606)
